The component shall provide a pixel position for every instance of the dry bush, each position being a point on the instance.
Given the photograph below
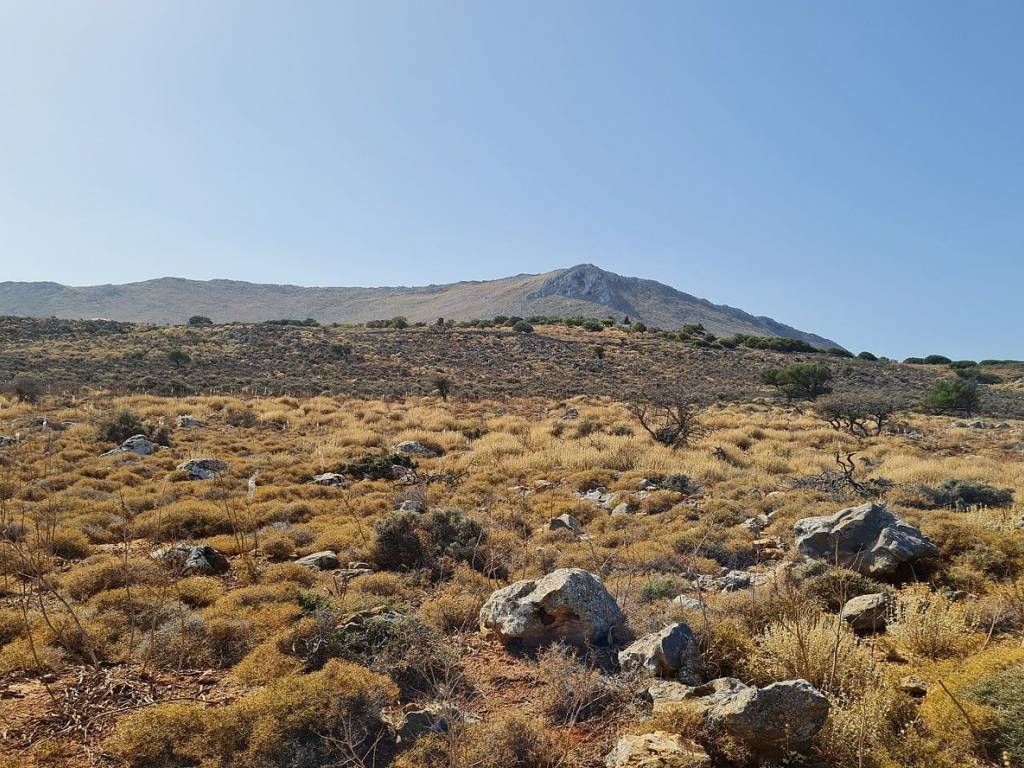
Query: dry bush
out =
(929, 625)
(575, 690)
(299, 720)
(510, 741)
(817, 647)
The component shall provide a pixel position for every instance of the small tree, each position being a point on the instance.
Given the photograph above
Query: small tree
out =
(859, 414)
(671, 421)
(521, 326)
(865, 355)
(800, 381)
(953, 396)
(443, 386)
(179, 357)
(200, 320)
(25, 388)
(398, 322)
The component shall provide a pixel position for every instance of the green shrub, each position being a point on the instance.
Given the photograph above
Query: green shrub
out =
(413, 540)
(953, 396)
(800, 381)
(865, 355)
(123, 424)
(521, 326)
(377, 466)
(197, 320)
(937, 360)
(956, 493)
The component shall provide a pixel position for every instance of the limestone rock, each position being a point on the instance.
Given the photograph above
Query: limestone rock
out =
(203, 469)
(658, 749)
(671, 652)
(868, 539)
(324, 561)
(867, 613)
(568, 605)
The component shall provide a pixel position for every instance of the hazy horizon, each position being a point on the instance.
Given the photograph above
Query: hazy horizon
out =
(852, 171)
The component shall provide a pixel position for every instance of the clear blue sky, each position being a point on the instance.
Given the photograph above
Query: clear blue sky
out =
(855, 169)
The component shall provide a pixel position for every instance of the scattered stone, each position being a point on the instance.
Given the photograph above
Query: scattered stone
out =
(772, 721)
(914, 686)
(868, 539)
(542, 485)
(624, 508)
(1003, 425)
(5, 440)
(139, 444)
(330, 479)
(434, 717)
(770, 547)
(203, 469)
(412, 448)
(187, 421)
(756, 524)
(867, 613)
(402, 474)
(192, 559)
(412, 505)
(570, 414)
(688, 603)
(980, 425)
(671, 652)
(567, 522)
(659, 749)
(733, 581)
(324, 561)
(569, 605)
(599, 496)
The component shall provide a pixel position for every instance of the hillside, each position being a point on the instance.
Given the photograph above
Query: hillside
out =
(583, 290)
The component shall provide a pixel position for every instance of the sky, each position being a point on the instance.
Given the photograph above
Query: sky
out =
(852, 169)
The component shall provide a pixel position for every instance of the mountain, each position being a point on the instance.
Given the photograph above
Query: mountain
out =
(581, 290)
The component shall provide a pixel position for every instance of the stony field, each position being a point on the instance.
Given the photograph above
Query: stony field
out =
(690, 596)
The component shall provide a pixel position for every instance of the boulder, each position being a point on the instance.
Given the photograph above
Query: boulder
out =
(733, 581)
(203, 469)
(867, 613)
(601, 497)
(412, 448)
(671, 652)
(139, 444)
(324, 561)
(192, 559)
(412, 505)
(659, 749)
(570, 414)
(772, 721)
(5, 440)
(757, 523)
(568, 605)
(188, 421)
(567, 522)
(912, 685)
(330, 479)
(868, 539)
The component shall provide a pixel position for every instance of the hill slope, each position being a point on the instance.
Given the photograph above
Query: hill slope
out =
(580, 290)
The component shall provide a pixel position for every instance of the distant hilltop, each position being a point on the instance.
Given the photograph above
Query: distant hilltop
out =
(583, 290)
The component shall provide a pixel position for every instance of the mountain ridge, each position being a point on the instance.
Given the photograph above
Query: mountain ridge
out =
(584, 289)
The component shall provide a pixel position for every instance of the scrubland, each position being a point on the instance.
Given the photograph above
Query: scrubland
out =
(108, 657)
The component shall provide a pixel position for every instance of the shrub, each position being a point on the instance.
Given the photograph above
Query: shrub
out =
(197, 320)
(179, 357)
(27, 389)
(299, 720)
(953, 396)
(959, 493)
(123, 424)
(859, 414)
(865, 355)
(409, 540)
(574, 690)
(817, 647)
(377, 466)
(977, 375)
(937, 360)
(521, 326)
(831, 587)
(800, 381)
(929, 625)
(398, 322)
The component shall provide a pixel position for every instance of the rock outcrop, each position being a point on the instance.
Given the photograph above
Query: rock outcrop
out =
(868, 539)
(658, 749)
(867, 613)
(139, 444)
(192, 559)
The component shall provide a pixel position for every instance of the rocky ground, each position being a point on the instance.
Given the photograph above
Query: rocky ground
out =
(554, 363)
(306, 581)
